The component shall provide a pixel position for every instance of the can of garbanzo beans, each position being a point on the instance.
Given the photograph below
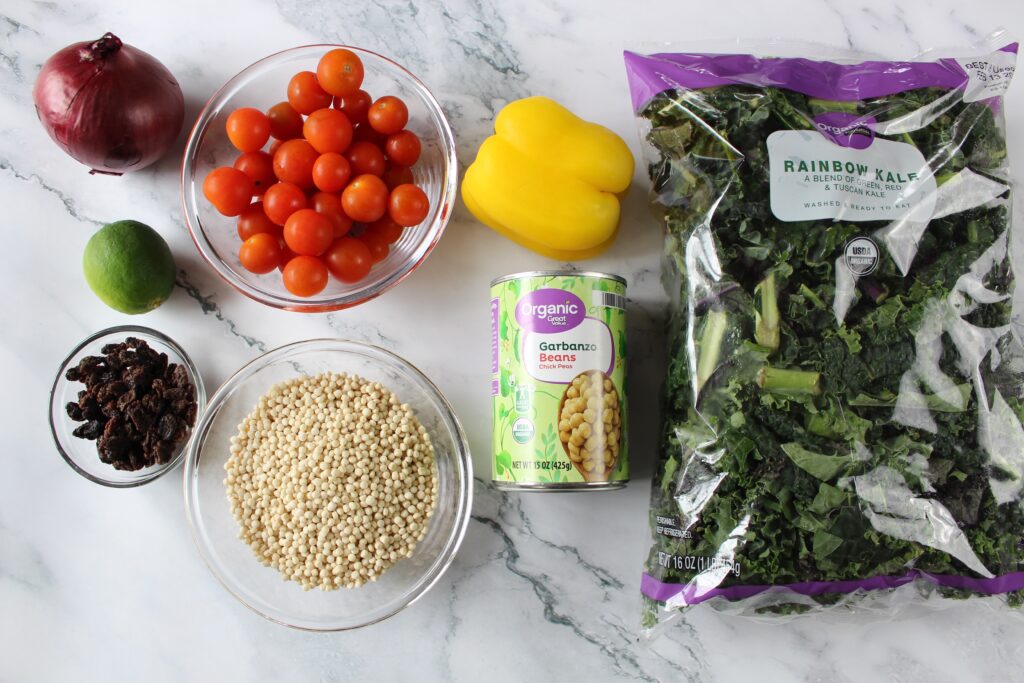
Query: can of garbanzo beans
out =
(558, 381)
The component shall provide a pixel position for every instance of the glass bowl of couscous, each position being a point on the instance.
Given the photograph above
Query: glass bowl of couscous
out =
(328, 484)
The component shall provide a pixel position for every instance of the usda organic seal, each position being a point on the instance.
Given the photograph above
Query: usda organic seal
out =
(861, 255)
(523, 430)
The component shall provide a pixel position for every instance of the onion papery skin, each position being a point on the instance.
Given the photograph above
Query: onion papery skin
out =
(109, 105)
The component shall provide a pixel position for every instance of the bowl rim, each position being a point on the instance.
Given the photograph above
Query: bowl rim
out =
(194, 375)
(446, 202)
(464, 457)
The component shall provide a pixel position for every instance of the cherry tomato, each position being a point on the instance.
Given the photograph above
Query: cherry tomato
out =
(285, 122)
(305, 276)
(348, 259)
(397, 175)
(281, 200)
(408, 205)
(340, 72)
(254, 220)
(305, 94)
(355, 106)
(274, 146)
(365, 157)
(378, 246)
(248, 129)
(403, 148)
(228, 189)
(261, 253)
(286, 255)
(259, 166)
(365, 133)
(365, 199)
(331, 172)
(329, 206)
(388, 115)
(387, 228)
(328, 130)
(293, 162)
(308, 233)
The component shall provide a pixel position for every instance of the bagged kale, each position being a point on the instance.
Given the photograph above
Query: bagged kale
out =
(845, 390)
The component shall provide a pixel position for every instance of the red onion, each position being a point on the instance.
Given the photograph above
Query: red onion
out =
(109, 105)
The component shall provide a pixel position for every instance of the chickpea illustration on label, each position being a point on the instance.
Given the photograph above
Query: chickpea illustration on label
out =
(558, 373)
(590, 425)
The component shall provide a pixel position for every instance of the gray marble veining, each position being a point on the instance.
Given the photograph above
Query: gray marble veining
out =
(99, 584)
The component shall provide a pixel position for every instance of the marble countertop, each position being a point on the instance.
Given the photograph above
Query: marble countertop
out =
(102, 584)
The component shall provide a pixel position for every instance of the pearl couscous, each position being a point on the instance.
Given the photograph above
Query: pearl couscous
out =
(332, 480)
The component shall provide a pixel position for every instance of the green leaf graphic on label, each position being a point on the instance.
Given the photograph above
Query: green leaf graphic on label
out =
(505, 388)
(503, 463)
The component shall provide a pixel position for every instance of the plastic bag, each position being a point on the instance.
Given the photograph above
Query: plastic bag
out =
(845, 391)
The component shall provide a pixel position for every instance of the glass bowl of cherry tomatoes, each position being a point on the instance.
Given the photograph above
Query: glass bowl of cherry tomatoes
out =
(319, 177)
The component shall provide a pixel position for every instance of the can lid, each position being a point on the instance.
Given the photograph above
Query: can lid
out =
(558, 273)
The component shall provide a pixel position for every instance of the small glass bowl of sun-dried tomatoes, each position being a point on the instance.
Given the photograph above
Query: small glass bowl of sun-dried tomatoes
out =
(319, 178)
(124, 404)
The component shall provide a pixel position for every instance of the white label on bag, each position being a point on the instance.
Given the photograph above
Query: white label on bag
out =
(814, 178)
(988, 76)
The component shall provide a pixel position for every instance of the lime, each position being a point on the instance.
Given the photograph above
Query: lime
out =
(129, 266)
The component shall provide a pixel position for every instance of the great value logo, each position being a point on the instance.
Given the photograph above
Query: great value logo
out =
(550, 310)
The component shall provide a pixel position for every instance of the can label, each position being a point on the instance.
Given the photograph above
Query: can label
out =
(558, 377)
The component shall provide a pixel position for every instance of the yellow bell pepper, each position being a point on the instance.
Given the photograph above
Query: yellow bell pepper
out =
(548, 180)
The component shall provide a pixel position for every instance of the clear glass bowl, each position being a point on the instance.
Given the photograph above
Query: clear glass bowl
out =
(81, 454)
(216, 531)
(264, 84)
